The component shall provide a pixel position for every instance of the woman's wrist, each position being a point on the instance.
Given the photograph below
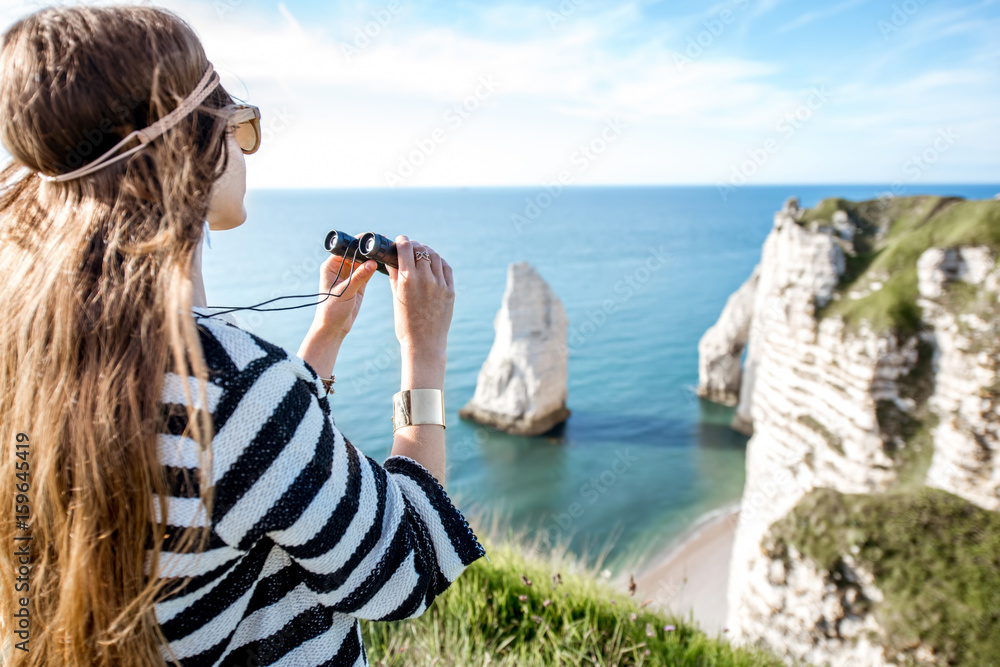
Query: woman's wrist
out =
(421, 378)
(425, 370)
(320, 349)
(424, 355)
(324, 334)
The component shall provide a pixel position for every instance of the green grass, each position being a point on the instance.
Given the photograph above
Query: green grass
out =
(934, 556)
(892, 235)
(914, 460)
(823, 211)
(482, 620)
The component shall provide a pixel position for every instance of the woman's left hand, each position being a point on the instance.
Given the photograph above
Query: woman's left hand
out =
(335, 315)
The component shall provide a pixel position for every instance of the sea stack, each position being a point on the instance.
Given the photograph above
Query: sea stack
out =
(521, 387)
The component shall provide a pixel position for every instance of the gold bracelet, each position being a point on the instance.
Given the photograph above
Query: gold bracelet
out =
(328, 384)
(417, 406)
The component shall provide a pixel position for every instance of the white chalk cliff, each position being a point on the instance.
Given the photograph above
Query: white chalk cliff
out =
(522, 386)
(721, 348)
(967, 439)
(834, 404)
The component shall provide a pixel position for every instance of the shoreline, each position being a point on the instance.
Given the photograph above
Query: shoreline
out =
(690, 576)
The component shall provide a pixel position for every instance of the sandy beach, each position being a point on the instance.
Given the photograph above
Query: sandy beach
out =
(691, 575)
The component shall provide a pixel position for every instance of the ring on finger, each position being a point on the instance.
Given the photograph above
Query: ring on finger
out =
(422, 254)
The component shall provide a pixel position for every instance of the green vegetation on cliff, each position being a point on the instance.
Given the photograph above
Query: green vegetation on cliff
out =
(491, 615)
(892, 234)
(908, 435)
(934, 556)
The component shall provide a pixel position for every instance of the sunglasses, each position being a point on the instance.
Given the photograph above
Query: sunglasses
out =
(246, 119)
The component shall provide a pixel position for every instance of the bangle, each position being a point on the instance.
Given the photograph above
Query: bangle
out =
(328, 384)
(417, 406)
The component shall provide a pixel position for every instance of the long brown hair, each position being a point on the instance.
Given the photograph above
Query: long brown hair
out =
(95, 309)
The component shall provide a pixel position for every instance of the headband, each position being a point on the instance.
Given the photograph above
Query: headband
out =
(147, 134)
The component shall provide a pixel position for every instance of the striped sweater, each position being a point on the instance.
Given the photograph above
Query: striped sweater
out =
(308, 534)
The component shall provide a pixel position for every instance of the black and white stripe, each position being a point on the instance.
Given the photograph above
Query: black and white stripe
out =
(308, 534)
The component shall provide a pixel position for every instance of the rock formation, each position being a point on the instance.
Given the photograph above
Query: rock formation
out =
(967, 439)
(521, 387)
(721, 348)
(881, 378)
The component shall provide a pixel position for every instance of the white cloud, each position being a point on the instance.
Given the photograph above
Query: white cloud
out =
(808, 17)
(334, 121)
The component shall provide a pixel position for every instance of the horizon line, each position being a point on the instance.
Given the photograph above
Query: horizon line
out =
(627, 185)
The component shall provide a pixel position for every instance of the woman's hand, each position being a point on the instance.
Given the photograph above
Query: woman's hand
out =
(424, 298)
(335, 315)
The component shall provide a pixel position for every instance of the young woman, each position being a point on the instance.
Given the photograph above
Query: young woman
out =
(181, 492)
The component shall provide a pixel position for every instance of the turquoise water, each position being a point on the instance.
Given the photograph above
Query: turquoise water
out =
(642, 273)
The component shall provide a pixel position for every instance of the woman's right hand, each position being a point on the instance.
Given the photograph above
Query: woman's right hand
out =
(423, 301)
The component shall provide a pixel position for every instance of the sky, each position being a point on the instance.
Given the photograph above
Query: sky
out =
(402, 93)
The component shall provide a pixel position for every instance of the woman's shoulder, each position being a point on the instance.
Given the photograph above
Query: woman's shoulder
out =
(233, 353)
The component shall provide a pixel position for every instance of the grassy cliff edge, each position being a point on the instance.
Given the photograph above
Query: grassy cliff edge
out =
(891, 235)
(934, 556)
(513, 610)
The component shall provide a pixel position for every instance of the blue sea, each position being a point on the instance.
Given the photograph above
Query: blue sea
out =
(642, 273)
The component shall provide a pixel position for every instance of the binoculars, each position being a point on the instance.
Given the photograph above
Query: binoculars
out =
(369, 246)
